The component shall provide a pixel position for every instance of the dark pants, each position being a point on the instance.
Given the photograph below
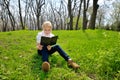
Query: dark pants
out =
(45, 53)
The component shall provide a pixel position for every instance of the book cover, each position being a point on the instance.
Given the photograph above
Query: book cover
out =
(48, 40)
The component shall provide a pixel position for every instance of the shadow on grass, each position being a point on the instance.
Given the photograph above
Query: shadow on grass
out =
(56, 63)
(86, 35)
(36, 68)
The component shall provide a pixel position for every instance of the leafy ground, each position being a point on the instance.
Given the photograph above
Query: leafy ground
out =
(96, 51)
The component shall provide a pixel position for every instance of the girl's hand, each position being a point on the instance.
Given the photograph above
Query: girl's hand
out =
(49, 47)
(39, 47)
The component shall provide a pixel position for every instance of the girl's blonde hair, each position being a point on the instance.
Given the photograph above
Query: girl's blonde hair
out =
(47, 24)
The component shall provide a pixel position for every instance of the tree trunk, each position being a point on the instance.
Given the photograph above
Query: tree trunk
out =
(10, 14)
(84, 16)
(38, 21)
(12, 20)
(94, 13)
(4, 24)
(37, 5)
(85, 20)
(78, 15)
(21, 20)
(70, 15)
(4, 19)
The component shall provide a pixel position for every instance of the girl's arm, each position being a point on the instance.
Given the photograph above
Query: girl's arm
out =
(49, 47)
(39, 47)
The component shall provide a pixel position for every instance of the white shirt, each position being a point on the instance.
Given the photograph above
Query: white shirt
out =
(38, 37)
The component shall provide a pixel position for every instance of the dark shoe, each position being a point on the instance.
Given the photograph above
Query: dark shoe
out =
(45, 66)
(73, 64)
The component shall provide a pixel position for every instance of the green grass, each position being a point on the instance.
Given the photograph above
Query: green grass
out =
(96, 51)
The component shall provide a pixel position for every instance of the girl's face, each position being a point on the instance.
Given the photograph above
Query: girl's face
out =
(47, 30)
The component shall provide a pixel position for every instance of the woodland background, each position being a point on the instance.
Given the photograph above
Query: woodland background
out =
(64, 14)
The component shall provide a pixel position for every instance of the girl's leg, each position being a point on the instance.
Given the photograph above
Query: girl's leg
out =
(39, 52)
(45, 54)
(60, 51)
(64, 55)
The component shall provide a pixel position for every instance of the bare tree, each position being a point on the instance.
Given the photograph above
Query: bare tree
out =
(100, 17)
(54, 14)
(20, 14)
(78, 16)
(4, 17)
(11, 17)
(85, 20)
(31, 17)
(37, 9)
(60, 13)
(115, 15)
(94, 14)
(70, 13)
(26, 11)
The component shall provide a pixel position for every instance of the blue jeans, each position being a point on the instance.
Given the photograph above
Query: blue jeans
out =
(45, 53)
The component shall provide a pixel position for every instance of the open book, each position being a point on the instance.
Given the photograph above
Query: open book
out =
(48, 40)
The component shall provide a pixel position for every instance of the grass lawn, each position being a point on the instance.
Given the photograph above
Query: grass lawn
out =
(96, 51)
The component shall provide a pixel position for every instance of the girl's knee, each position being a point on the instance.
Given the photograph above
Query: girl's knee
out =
(57, 46)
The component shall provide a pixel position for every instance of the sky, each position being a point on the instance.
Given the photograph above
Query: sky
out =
(100, 2)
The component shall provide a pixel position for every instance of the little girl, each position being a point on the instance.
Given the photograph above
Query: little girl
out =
(45, 51)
